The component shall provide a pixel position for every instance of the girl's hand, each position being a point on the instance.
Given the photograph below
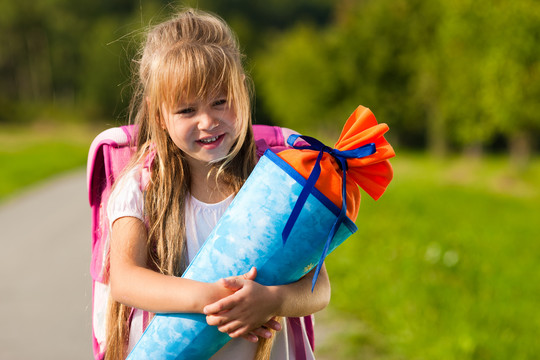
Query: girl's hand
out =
(249, 312)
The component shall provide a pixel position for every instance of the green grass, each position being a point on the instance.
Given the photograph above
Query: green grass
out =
(443, 266)
(36, 152)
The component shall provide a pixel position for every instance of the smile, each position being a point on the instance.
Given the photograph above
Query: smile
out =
(209, 140)
(210, 143)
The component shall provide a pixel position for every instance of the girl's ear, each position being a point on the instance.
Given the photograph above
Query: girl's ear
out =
(159, 114)
(162, 121)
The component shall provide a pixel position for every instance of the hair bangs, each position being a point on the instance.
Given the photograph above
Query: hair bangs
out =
(190, 72)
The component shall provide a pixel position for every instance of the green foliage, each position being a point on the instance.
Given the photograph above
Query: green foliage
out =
(512, 66)
(254, 19)
(451, 72)
(100, 80)
(444, 265)
(301, 60)
(66, 54)
(443, 74)
(362, 59)
(482, 61)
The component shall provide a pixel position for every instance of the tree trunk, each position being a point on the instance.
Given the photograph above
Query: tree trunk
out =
(520, 147)
(474, 151)
(436, 134)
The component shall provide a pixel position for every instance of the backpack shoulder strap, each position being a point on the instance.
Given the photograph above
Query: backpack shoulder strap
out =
(117, 137)
(109, 153)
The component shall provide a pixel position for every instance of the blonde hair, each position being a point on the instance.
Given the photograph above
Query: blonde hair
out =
(192, 55)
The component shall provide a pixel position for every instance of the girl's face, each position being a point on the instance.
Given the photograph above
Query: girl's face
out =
(203, 129)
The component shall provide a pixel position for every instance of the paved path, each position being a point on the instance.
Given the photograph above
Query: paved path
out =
(45, 287)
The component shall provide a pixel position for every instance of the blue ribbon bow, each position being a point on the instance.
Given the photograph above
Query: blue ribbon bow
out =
(341, 157)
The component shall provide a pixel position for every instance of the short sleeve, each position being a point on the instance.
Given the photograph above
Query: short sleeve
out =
(127, 198)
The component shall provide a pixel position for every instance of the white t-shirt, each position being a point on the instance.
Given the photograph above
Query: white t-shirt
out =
(127, 200)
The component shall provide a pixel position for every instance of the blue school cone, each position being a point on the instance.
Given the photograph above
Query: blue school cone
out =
(249, 234)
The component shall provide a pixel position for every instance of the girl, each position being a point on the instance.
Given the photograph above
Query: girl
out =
(195, 149)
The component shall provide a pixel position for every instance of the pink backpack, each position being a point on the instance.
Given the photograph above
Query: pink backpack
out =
(109, 154)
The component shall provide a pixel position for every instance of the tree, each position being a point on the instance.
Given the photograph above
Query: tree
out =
(511, 74)
(312, 77)
(450, 73)
(483, 67)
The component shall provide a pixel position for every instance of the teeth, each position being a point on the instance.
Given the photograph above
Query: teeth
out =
(210, 140)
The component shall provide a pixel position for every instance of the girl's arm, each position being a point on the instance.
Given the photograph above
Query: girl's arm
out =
(254, 304)
(133, 284)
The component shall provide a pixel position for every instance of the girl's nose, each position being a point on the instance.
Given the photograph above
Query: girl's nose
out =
(207, 121)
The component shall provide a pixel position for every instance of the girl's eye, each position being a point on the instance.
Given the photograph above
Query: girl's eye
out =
(186, 111)
(220, 102)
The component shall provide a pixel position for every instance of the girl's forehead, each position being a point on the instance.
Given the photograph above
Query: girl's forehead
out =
(182, 80)
(184, 96)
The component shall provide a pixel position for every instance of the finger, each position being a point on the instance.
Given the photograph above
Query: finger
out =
(251, 274)
(233, 329)
(262, 332)
(273, 324)
(219, 306)
(251, 337)
(233, 283)
(216, 320)
(214, 308)
(220, 319)
(238, 332)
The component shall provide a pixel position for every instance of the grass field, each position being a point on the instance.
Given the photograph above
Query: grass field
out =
(33, 153)
(443, 266)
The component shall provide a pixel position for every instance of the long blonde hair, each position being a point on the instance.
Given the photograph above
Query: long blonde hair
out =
(192, 55)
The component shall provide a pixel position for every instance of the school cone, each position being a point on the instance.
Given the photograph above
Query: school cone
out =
(296, 207)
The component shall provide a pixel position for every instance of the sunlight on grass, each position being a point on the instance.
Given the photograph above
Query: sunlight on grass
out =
(35, 152)
(444, 265)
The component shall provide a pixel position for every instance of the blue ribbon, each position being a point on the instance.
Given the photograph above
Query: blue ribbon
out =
(341, 157)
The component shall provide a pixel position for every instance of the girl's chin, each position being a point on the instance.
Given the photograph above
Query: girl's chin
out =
(210, 156)
(203, 160)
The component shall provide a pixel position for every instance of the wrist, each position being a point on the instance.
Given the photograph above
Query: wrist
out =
(277, 298)
(202, 294)
(215, 292)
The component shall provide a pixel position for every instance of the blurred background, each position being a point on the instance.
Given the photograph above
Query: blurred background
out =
(445, 264)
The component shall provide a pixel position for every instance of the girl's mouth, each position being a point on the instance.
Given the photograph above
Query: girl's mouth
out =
(211, 142)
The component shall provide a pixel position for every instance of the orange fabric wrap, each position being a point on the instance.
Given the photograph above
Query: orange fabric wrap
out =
(372, 173)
